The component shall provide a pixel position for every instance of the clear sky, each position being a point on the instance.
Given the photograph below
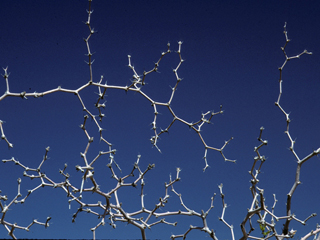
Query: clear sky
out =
(232, 54)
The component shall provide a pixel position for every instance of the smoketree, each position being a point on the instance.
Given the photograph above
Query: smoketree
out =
(133, 158)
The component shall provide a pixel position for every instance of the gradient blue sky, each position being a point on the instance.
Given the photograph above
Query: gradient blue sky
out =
(232, 54)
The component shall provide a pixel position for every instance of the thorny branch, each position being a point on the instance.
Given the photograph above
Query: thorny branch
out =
(258, 207)
(292, 142)
(10, 227)
(112, 211)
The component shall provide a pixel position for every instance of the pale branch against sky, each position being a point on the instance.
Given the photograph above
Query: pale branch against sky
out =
(181, 87)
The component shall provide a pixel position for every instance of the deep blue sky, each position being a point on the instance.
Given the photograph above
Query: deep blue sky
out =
(232, 54)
